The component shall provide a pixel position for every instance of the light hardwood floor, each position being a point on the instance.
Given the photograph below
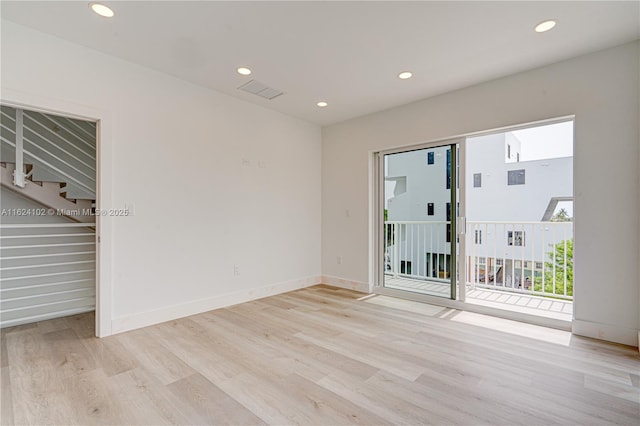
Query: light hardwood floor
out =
(491, 297)
(321, 356)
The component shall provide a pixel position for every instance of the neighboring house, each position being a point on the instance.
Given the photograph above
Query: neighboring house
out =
(509, 203)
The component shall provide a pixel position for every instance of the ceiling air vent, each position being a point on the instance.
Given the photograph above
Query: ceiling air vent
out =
(260, 89)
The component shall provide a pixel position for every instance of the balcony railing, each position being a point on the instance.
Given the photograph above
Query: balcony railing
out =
(525, 257)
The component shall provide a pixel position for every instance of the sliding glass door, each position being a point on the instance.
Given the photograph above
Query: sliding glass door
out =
(419, 206)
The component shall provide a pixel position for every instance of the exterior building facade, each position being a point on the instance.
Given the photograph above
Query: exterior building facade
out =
(510, 205)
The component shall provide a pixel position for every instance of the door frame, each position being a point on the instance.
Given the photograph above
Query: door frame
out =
(458, 224)
(374, 232)
(104, 188)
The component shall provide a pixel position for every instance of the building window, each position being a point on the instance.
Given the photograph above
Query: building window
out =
(430, 209)
(538, 265)
(498, 262)
(518, 157)
(430, 158)
(515, 238)
(405, 267)
(478, 236)
(449, 211)
(508, 151)
(449, 219)
(515, 177)
(477, 180)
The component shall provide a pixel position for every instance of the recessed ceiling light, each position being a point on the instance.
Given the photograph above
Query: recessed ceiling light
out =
(405, 75)
(545, 26)
(244, 71)
(101, 10)
(322, 104)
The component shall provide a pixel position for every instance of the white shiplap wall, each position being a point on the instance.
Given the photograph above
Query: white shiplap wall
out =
(45, 272)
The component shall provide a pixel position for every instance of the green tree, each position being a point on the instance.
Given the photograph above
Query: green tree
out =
(388, 229)
(558, 268)
(561, 216)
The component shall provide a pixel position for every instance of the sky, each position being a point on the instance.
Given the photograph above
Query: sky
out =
(566, 205)
(551, 141)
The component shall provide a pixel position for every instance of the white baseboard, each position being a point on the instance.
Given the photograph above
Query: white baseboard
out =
(625, 336)
(345, 283)
(144, 319)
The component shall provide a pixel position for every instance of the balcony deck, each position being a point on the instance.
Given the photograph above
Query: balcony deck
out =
(500, 299)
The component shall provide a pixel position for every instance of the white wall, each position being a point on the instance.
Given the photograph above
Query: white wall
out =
(601, 89)
(175, 152)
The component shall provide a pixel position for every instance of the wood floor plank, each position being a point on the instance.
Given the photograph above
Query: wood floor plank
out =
(553, 385)
(35, 403)
(70, 356)
(156, 359)
(295, 400)
(289, 353)
(316, 356)
(204, 352)
(507, 407)
(310, 325)
(607, 387)
(282, 354)
(19, 328)
(452, 408)
(397, 409)
(529, 352)
(151, 401)
(322, 403)
(262, 395)
(83, 324)
(6, 398)
(635, 379)
(4, 357)
(94, 400)
(381, 360)
(210, 405)
(110, 354)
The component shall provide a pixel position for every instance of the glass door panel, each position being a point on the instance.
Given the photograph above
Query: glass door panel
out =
(419, 231)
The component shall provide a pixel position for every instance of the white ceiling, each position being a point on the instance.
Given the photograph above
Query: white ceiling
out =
(347, 53)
